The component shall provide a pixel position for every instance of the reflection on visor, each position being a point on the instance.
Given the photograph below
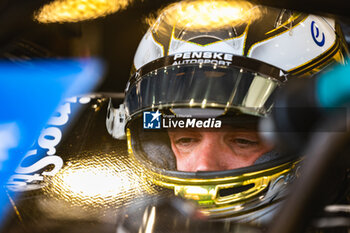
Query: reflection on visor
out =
(202, 86)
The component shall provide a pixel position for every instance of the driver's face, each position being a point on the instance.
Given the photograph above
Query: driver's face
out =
(215, 150)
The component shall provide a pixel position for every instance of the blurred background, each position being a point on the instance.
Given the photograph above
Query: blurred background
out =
(112, 33)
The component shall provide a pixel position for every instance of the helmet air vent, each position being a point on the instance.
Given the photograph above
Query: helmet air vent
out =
(233, 190)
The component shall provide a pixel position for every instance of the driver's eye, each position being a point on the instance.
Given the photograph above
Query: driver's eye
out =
(186, 141)
(244, 142)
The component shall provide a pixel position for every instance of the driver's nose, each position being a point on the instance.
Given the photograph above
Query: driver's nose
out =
(211, 154)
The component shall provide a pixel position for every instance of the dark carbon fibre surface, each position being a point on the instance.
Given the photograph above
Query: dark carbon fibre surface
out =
(97, 182)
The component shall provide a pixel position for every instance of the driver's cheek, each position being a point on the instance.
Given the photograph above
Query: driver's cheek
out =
(249, 154)
(243, 158)
(220, 157)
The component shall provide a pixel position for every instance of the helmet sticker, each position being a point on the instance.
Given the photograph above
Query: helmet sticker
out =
(315, 32)
(203, 57)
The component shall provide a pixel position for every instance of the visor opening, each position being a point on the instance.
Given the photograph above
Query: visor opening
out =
(230, 191)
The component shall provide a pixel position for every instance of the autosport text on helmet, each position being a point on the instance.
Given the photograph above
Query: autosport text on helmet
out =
(203, 57)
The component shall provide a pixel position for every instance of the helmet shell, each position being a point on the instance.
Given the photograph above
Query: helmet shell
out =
(296, 44)
(288, 40)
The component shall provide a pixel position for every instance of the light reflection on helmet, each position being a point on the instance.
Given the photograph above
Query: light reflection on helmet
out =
(227, 69)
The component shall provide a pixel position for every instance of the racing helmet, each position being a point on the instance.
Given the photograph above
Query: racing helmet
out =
(220, 62)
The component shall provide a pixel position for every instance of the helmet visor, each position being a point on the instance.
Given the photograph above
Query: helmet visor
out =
(204, 86)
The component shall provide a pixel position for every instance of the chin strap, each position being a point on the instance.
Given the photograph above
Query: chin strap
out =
(116, 120)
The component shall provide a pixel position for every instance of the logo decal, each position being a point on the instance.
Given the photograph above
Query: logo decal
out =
(224, 59)
(315, 32)
(29, 175)
(155, 120)
(151, 120)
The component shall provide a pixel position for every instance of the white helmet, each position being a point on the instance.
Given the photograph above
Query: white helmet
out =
(189, 64)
